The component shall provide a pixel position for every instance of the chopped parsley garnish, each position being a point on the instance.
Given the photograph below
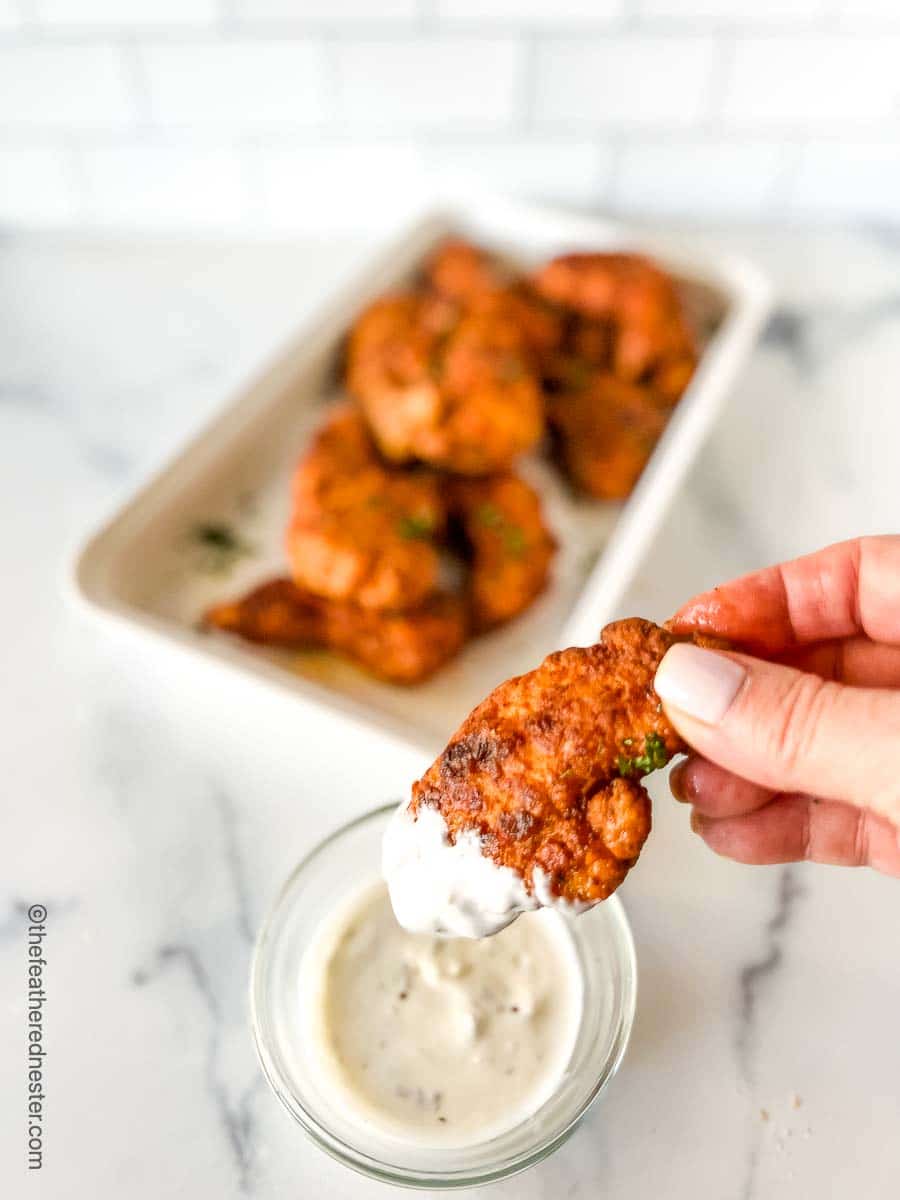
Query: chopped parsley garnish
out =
(490, 516)
(217, 536)
(219, 546)
(511, 535)
(578, 374)
(514, 539)
(655, 756)
(415, 527)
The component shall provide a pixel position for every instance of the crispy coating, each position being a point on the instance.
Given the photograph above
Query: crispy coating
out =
(461, 271)
(653, 340)
(454, 388)
(395, 341)
(547, 769)
(509, 545)
(607, 430)
(402, 647)
(360, 530)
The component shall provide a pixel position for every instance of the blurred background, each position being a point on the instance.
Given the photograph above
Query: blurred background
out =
(284, 115)
(154, 810)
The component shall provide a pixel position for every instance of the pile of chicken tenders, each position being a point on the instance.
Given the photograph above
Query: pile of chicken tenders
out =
(411, 530)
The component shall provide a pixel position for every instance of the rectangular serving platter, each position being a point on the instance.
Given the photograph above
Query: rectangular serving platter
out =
(150, 568)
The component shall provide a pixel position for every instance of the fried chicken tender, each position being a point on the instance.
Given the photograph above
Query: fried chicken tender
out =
(455, 389)
(479, 283)
(461, 271)
(400, 647)
(509, 545)
(607, 430)
(653, 340)
(547, 770)
(361, 530)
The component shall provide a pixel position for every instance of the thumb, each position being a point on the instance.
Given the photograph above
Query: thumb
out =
(785, 729)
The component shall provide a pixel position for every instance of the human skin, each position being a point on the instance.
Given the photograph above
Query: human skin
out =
(796, 744)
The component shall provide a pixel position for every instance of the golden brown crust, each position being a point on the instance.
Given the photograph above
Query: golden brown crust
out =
(509, 544)
(400, 647)
(360, 530)
(547, 769)
(651, 337)
(455, 388)
(607, 430)
(463, 271)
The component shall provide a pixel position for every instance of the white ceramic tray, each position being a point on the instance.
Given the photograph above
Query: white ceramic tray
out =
(148, 568)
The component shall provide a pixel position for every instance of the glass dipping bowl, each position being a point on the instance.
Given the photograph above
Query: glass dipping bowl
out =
(340, 865)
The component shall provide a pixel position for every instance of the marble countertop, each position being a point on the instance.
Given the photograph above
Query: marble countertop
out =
(155, 816)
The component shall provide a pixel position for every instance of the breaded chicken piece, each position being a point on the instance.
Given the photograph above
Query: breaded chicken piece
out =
(400, 647)
(606, 431)
(546, 771)
(394, 343)
(509, 545)
(461, 271)
(585, 348)
(360, 530)
(454, 389)
(653, 340)
(478, 282)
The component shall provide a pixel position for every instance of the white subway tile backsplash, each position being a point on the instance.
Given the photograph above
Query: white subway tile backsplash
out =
(351, 186)
(331, 11)
(571, 172)
(626, 81)
(124, 13)
(164, 187)
(237, 86)
(36, 187)
(813, 81)
(428, 82)
(834, 179)
(66, 87)
(542, 13)
(699, 178)
(305, 114)
(733, 12)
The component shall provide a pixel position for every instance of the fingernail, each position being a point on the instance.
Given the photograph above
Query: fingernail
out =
(700, 682)
(678, 781)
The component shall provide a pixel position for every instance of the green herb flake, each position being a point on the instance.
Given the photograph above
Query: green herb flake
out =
(217, 536)
(655, 756)
(514, 540)
(415, 527)
(490, 516)
(219, 546)
(578, 374)
(512, 536)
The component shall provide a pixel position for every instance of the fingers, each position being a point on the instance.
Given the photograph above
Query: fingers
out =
(847, 589)
(856, 661)
(713, 791)
(784, 729)
(794, 828)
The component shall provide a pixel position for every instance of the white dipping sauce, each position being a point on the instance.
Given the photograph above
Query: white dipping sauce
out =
(443, 1042)
(439, 886)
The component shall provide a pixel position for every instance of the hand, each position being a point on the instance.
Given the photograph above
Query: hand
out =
(797, 752)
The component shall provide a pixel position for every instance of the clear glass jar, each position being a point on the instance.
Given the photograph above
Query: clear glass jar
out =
(338, 866)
